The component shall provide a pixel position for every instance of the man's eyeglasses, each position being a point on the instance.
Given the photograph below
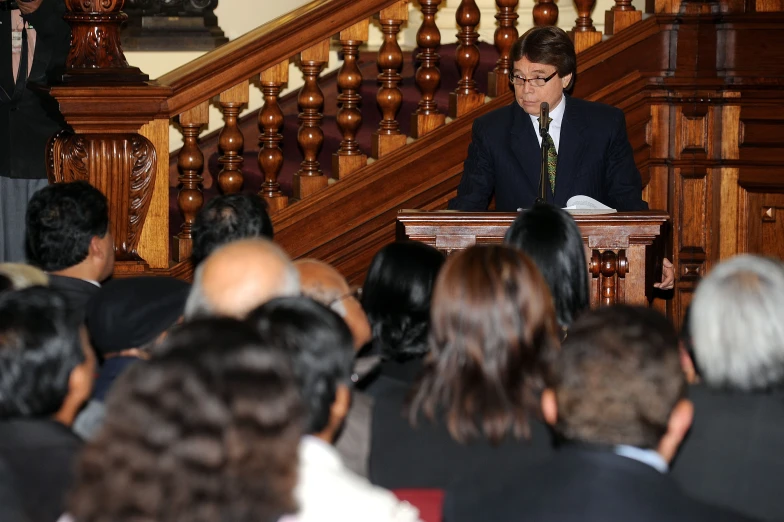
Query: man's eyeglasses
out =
(356, 293)
(536, 82)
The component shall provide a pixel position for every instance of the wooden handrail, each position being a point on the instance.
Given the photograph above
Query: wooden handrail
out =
(260, 49)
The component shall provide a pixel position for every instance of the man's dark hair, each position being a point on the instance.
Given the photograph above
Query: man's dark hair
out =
(320, 345)
(61, 221)
(549, 45)
(552, 239)
(208, 429)
(39, 348)
(5, 283)
(396, 297)
(228, 218)
(617, 377)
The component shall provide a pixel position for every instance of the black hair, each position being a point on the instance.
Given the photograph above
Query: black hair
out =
(552, 239)
(548, 45)
(5, 283)
(320, 345)
(39, 348)
(61, 221)
(396, 297)
(228, 218)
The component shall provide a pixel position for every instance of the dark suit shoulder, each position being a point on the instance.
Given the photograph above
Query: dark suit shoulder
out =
(498, 118)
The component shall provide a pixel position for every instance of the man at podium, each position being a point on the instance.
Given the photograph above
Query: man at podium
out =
(589, 153)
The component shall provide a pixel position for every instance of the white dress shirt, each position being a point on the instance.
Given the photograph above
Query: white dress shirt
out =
(555, 125)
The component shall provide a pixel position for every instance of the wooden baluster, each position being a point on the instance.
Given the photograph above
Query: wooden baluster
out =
(349, 158)
(390, 60)
(505, 36)
(584, 33)
(270, 120)
(545, 13)
(309, 178)
(466, 97)
(190, 161)
(231, 140)
(620, 16)
(428, 76)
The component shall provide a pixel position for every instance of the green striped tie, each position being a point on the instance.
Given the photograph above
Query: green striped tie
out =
(552, 157)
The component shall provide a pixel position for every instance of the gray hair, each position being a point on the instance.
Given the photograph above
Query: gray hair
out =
(737, 324)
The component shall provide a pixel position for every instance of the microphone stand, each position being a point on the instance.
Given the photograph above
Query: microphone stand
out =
(544, 125)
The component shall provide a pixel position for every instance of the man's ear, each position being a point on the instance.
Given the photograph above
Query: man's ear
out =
(549, 406)
(339, 408)
(678, 426)
(97, 248)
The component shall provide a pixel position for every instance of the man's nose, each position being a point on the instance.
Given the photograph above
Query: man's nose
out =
(528, 88)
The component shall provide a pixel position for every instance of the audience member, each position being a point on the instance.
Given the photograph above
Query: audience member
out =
(11, 508)
(125, 319)
(6, 283)
(46, 375)
(552, 239)
(240, 276)
(737, 328)
(320, 346)
(206, 430)
(475, 407)
(228, 218)
(617, 398)
(396, 296)
(22, 276)
(68, 236)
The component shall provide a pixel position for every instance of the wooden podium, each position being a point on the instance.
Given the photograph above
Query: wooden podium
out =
(624, 250)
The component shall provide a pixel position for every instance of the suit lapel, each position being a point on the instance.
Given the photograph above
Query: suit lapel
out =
(525, 147)
(571, 150)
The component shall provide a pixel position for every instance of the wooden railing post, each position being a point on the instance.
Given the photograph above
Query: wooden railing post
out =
(390, 60)
(620, 16)
(428, 76)
(349, 158)
(231, 140)
(270, 120)
(466, 97)
(505, 36)
(309, 178)
(584, 33)
(545, 13)
(190, 162)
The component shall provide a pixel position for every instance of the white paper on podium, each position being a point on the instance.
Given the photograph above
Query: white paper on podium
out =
(587, 205)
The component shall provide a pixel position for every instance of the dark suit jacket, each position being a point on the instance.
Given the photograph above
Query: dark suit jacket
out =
(734, 454)
(40, 454)
(580, 484)
(594, 159)
(77, 291)
(427, 457)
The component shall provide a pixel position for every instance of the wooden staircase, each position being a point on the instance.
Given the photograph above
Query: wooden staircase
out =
(700, 83)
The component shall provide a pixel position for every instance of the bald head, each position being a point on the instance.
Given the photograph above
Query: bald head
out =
(240, 276)
(326, 285)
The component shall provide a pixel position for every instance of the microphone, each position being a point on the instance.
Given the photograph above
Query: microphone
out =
(544, 119)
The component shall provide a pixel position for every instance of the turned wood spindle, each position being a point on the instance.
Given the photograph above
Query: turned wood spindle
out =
(466, 97)
(620, 16)
(545, 13)
(349, 158)
(231, 140)
(584, 33)
(390, 60)
(309, 178)
(505, 36)
(270, 157)
(190, 162)
(428, 76)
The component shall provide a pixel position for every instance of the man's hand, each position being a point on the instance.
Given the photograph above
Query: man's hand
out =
(29, 7)
(668, 276)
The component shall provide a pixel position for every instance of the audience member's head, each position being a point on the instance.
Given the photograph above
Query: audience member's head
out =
(552, 239)
(240, 276)
(68, 231)
(21, 276)
(6, 283)
(396, 296)
(325, 284)
(228, 218)
(617, 380)
(45, 371)
(208, 430)
(492, 321)
(737, 324)
(320, 346)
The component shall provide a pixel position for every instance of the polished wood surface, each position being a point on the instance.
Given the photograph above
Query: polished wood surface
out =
(428, 77)
(466, 97)
(270, 156)
(231, 140)
(623, 250)
(505, 36)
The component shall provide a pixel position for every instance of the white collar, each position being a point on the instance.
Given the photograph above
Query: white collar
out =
(647, 456)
